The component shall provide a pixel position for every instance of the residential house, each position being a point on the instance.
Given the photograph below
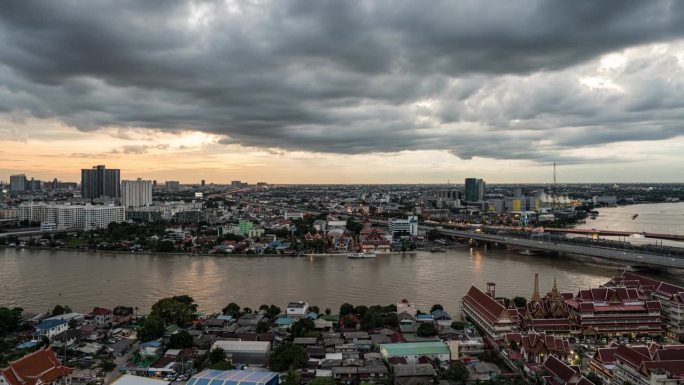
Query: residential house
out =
(150, 349)
(50, 329)
(404, 306)
(297, 309)
(100, 317)
(414, 374)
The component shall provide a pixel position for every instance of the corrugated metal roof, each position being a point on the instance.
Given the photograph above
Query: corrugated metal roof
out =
(232, 377)
(414, 348)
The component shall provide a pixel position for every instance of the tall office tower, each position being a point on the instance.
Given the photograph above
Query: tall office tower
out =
(470, 189)
(136, 193)
(18, 183)
(480, 189)
(474, 190)
(99, 182)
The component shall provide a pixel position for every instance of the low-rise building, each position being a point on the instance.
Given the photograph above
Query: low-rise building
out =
(487, 313)
(414, 374)
(411, 352)
(232, 377)
(649, 365)
(50, 328)
(297, 309)
(253, 353)
(41, 367)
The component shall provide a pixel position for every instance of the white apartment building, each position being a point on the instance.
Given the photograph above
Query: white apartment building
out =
(136, 193)
(408, 226)
(67, 217)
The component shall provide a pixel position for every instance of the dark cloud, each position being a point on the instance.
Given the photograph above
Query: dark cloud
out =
(475, 78)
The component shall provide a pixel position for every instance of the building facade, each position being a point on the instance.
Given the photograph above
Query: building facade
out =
(67, 217)
(487, 313)
(136, 193)
(99, 182)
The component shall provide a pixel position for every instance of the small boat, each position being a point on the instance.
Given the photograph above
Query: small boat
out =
(437, 250)
(638, 236)
(361, 255)
(635, 216)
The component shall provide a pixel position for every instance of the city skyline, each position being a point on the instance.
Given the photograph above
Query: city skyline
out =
(294, 92)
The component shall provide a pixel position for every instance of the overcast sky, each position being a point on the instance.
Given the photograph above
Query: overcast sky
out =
(344, 91)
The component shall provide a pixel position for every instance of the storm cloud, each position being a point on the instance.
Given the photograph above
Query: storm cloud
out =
(504, 80)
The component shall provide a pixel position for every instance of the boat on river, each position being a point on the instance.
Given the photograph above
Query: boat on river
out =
(361, 255)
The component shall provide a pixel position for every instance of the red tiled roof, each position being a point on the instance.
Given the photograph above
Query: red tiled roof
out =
(100, 311)
(41, 366)
(484, 304)
(674, 367)
(561, 370)
(605, 355)
(634, 356)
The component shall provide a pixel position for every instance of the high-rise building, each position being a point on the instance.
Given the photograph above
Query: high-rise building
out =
(99, 182)
(474, 189)
(172, 185)
(18, 183)
(136, 193)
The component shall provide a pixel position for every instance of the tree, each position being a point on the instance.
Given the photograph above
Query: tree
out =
(151, 328)
(513, 345)
(164, 247)
(519, 301)
(122, 310)
(458, 325)
(328, 311)
(288, 356)
(302, 328)
(426, 329)
(433, 234)
(315, 309)
(180, 340)
(107, 365)
(59, 310)
(436, 307)
(218, 360)
(273, 311)
(457, 372)
(322, 381)
(9, 319)
(263, 327)
(360, 310)
(346, 309)
(593, 377)
(178, 310)
(292, 378)
(232, 309)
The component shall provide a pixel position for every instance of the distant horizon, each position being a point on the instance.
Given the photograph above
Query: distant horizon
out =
(293, 92)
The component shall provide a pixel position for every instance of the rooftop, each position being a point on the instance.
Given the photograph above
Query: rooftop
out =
(232, 377)
(414, 348)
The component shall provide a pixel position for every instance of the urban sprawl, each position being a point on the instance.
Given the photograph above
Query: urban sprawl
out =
(629, 331)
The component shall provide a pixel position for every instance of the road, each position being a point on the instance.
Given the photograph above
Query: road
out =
(120, 360)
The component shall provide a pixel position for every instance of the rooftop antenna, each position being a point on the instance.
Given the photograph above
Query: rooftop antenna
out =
(554, 195)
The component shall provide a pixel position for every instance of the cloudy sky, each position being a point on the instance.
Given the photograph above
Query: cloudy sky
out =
(290, 91)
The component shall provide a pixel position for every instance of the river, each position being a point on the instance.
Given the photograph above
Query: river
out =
(39, 279)
(664, 218)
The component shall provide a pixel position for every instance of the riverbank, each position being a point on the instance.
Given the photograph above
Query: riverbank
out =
(346, 254)
(146, 253)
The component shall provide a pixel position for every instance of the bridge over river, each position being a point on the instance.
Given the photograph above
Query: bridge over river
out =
(629, 256)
